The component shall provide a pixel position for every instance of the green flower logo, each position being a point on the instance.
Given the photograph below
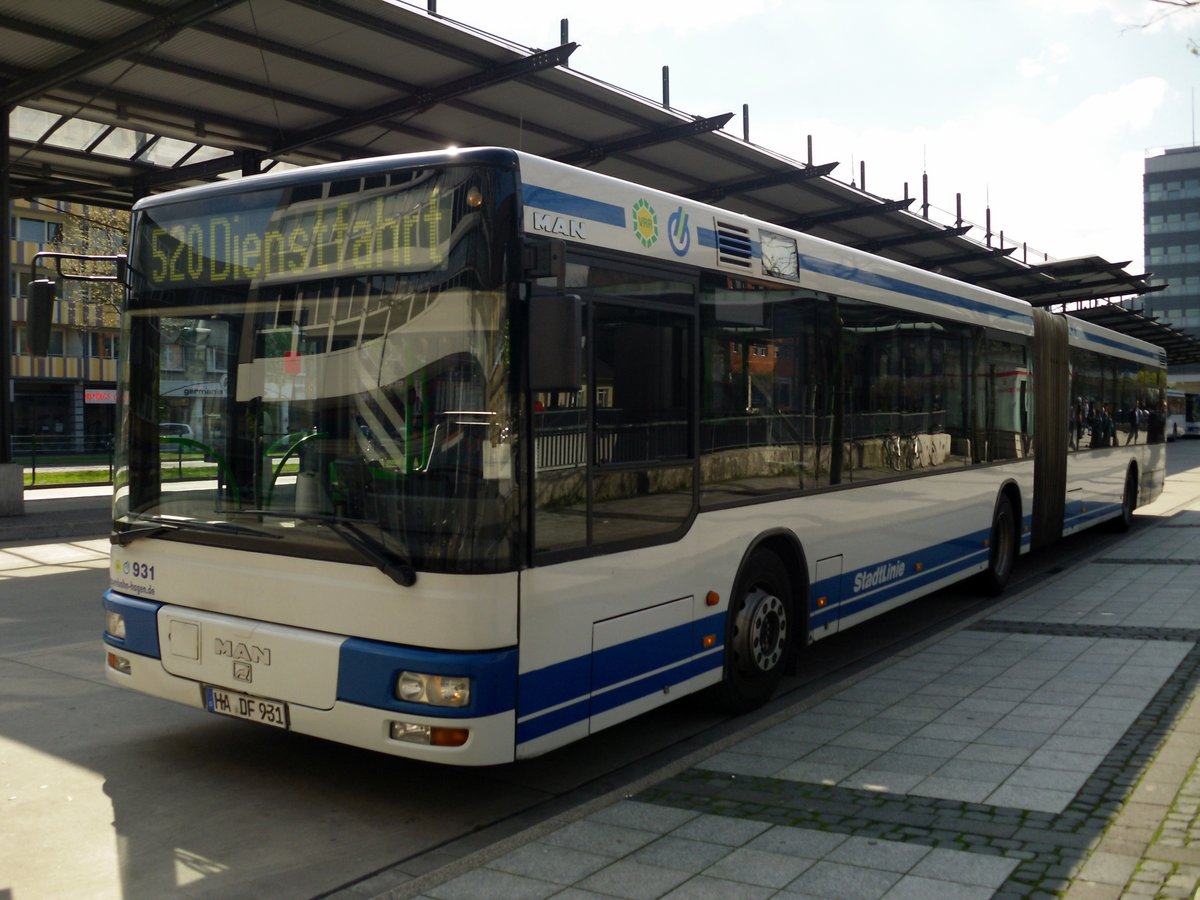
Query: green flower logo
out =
(645, 223)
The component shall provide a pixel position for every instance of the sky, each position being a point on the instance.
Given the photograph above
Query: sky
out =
(1044, 110)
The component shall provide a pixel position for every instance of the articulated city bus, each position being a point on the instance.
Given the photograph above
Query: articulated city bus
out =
(488, 452)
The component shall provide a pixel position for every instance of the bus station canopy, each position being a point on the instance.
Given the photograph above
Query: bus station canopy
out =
(111, 100)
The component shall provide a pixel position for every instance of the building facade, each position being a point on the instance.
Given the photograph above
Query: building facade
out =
(1171, 224)
(65, 400)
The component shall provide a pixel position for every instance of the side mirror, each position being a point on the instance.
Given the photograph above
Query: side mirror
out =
(40, 315)
(555, 342)
(543, 258)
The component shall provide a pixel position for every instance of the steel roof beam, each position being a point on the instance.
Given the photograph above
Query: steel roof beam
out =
(80, 191)
(362, 19)
(1085, 288)
(162, 28)
(301, 55)
(145, 145)
(368, 76)
(201, 171)
(355, 16)
(970, 256)
(596, 152)
(223, 132)
(1082, 267)
(103, 136)
(917, 237)
(476, 81)
(854, 212)
(253, 88)
(790, 176)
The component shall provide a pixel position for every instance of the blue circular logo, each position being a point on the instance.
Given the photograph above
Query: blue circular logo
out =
(678, 233)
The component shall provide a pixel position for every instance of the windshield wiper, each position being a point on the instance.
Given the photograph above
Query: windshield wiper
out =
(160, 526)
(369, 547)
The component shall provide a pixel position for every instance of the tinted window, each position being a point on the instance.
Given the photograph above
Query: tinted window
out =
(802, 390)
(614, 462)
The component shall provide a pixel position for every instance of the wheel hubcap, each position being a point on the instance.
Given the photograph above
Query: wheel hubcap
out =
(762, 630)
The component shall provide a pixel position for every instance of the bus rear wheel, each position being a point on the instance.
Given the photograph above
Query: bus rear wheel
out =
(759, 633)
(1002, 547)
(1129, 499)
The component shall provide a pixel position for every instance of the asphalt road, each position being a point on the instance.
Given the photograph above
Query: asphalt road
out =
(108, 793)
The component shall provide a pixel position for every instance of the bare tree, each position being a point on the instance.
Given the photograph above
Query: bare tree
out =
(95, 231)
(1170, 8)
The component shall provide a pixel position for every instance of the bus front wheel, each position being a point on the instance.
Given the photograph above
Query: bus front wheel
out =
(759, 633)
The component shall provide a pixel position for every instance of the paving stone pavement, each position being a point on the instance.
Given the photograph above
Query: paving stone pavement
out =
(1048, 749)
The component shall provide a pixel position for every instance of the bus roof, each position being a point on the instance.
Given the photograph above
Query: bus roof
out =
(589, 208)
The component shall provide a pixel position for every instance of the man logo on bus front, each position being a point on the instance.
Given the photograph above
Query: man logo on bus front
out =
(243, 672)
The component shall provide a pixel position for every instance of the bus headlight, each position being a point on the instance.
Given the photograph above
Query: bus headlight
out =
(436, 690)
(114, 624)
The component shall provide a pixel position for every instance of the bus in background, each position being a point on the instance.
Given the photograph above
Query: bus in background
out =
(1183, 414)
(505, 451)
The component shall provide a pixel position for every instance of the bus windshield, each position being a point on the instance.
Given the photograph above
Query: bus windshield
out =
(320, 369)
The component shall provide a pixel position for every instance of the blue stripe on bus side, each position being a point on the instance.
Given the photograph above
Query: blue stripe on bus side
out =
(568, 681)
(554, 685)
(707, 237)
(603, 700)
(920, 568)
(935, 562)
(141, 624)
(622, 662)
(1155, 354)
(611, 214)
(573, 205)
(896, 285)
(572, 679)
(558, 695)
(1080, 514)
(653, 684)
(564, 693)
(553, 721)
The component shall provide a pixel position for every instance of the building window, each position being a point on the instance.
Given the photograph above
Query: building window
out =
(103, 345)
(36, 231)
(218, 359)
(58, 340)
(20, 282)
(172, 358)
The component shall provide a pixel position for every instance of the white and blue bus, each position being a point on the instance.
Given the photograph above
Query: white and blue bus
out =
(489, 452)
(1183, 414)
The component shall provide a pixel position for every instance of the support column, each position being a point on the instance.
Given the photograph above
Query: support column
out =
(12, 475)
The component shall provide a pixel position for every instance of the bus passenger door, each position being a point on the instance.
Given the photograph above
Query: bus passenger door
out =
(825, 598)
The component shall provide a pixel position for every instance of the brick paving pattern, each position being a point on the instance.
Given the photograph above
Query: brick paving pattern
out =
(1048, 750)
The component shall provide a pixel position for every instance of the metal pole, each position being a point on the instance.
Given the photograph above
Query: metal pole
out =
(6, 348)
